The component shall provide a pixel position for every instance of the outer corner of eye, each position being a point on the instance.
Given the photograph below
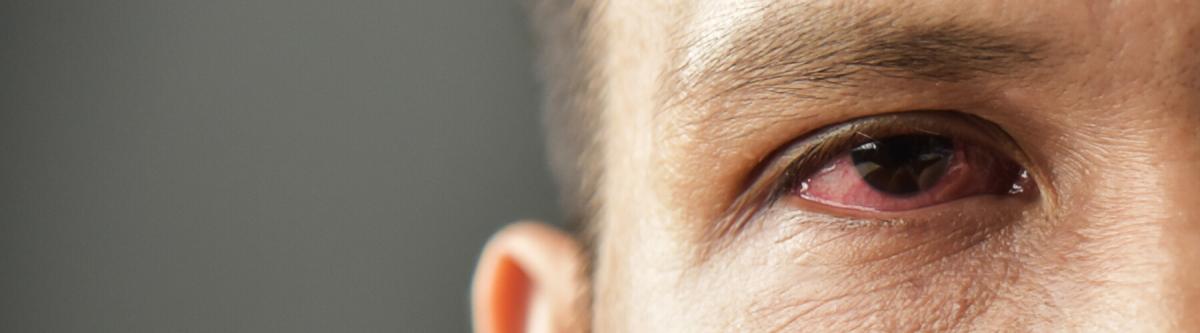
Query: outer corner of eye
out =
(911, 171)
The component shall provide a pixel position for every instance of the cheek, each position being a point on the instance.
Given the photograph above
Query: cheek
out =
(859, 281)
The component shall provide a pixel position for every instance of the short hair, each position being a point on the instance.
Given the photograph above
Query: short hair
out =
(567, 66)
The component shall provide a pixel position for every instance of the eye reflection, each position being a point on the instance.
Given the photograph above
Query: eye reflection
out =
(911, 171)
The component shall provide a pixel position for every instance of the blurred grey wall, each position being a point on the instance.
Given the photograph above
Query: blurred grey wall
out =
(259, 166)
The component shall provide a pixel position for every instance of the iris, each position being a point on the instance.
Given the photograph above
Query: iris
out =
(903, 165)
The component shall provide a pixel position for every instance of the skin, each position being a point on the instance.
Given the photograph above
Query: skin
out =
(1105, 120)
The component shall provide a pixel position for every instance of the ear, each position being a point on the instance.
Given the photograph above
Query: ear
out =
(529, 279)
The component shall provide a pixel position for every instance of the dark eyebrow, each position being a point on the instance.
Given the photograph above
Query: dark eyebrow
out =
(800, 50)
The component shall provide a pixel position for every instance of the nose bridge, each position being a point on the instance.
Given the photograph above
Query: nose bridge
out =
(1161, 177)
(1137, 209)
(1180, 148)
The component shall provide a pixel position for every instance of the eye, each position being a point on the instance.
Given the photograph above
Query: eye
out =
(890, 163)
(910, 171)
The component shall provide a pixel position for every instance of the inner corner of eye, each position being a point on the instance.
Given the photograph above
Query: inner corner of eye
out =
(909, 171)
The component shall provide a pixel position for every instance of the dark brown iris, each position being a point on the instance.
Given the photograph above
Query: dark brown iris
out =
(903, 165)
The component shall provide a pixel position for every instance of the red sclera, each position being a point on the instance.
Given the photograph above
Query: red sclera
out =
(972, 171)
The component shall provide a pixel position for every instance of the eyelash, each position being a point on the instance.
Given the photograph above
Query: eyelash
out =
(789, 167)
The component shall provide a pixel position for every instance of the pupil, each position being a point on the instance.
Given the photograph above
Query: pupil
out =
(905, 164)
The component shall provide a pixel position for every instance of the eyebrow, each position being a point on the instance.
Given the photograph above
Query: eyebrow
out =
(804, 51)
(797, 50)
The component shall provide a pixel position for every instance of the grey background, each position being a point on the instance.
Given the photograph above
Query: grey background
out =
(259, 166)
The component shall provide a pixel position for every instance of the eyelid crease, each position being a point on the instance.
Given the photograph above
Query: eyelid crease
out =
(777, 174)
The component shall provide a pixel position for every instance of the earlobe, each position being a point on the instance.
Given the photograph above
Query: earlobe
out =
(528, 279)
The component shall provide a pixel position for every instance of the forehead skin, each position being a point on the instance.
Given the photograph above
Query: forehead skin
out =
(1102, 96)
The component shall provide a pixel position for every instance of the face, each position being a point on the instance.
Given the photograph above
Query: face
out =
(894, 165)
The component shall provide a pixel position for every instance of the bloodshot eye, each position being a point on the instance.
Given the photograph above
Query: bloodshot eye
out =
(911, 171)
